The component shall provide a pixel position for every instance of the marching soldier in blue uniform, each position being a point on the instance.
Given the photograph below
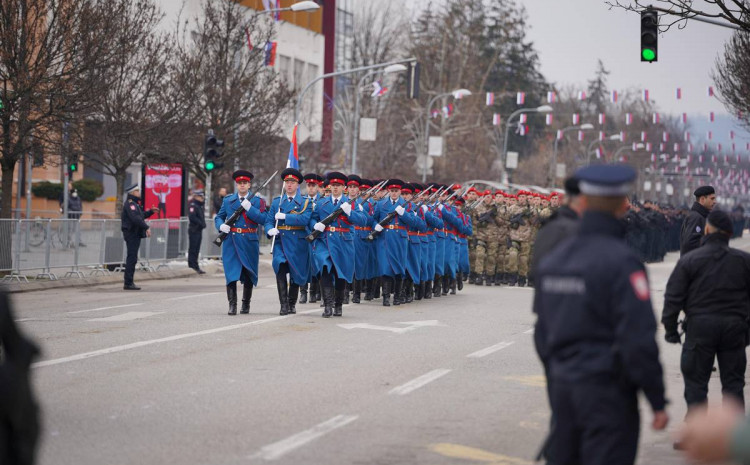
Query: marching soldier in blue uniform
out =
(440, 243)
(361, 245)
(434, 224)
(240, 250)
(595, 331)
(334, 252)
(313, 184)
(392, 243)
(450, 252)
(414, 249)
(197, 223)
(287, 222)
(134, 228)
(464, 267)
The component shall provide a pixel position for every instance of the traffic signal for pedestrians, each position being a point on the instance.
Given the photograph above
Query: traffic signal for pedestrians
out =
(412, 80)
(72, 165)
(213, 149)
(649, 35)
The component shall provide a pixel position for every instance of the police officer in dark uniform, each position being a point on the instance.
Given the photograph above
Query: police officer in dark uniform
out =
(595, 331)
(711, 285)
(134, 228)
(695, 222)
(195, 230)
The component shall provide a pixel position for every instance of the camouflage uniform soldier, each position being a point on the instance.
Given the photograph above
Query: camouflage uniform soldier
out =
(471, 196)
(521, 231)
(503, 236)
(485, 234)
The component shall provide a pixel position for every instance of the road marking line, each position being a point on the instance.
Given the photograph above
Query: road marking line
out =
(127, 316)
(177, 337)
(417, 383)
(283, 447)
(490, 350)
(194, 295)
(474, 454)
(529, 331)
(104, 308)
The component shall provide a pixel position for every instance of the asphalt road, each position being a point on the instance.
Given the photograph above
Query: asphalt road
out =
(165, 376)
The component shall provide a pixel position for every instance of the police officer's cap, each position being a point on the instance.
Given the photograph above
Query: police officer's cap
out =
(199, 193)
(394, 184)
(334, 177)
(242, 175)
(571, 186)
(134, 187)
(605, 180)
(291, 174)
(354, 180)
(703, 191)
(721, 220)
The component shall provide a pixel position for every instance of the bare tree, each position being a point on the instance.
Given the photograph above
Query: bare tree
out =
(736, 12)
(52, 53)
(732, 77)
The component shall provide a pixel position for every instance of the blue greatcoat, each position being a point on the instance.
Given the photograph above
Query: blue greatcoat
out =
(362, 247)
(240, 250)
(336, 248)
(290, 246)
(453, 226)
(434, 224)
(441, 237)
(313, 270)
(414, 255)
(463, 243)
(372, 270)
(393, 242)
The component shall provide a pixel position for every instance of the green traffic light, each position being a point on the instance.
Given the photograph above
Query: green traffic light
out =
(648, 54)
(73, 167)
(210, 165)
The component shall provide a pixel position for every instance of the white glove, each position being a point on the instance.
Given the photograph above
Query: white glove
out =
(246, 205)
(273, 232)
(280, 216)
(225, 228)
(319, 227)
(441, 206)
(360, 208)
(400, 210)
(378, 228)
(347, 207)
(425, 208)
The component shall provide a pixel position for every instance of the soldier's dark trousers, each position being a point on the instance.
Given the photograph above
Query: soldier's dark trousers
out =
(595, 423)
(194, 247)
(708, 337)
(132, 243)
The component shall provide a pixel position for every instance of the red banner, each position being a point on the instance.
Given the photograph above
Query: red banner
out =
(163, 190)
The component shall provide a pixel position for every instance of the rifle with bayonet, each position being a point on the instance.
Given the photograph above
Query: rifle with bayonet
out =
(391, 215)
(235, 216)
(337, 212)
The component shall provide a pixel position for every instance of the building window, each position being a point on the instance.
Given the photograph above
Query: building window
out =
(285, 68)
(299, 73)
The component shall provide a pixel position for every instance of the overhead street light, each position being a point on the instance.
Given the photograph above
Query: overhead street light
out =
(553, 162)
(591, 145)
(304, 6)
(457, 94)
(461, 93)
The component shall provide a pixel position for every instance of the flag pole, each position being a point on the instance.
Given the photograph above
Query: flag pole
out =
(294, 147)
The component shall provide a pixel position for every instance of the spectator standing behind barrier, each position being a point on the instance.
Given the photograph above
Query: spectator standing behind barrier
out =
(75, 205)
(712, 286)
(197, 224)
(134, 228)
(695, 222)
(19, 414)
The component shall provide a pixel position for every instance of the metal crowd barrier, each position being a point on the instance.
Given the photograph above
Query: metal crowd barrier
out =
(68, 248)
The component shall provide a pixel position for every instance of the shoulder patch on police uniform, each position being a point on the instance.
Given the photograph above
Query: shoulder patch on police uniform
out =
(639, 282)
(697, 229)
(132, 207)
(191, 209)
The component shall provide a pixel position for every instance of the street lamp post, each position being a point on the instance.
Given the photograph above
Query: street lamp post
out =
(542, 109)
(625, 147)
(397, 68)
(553, 164)
(457, 94)
(297, 7)
(588, 150)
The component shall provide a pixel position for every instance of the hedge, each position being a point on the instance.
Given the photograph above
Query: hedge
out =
(88, 189)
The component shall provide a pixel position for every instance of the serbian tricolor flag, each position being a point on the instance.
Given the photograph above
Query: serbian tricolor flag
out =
(653, 158)
(644, 136)
(676, 146)
(496, 119)
(645, 95)
(731, 135)
(270, 59)
(665, 136)
(293, 160)
(684, 118)
(378, 89)
(686, 136)
(602, 118)
(635, 146)
(690, 148)
(490, 99)
(662, 146)
(613, 96)
(710, 135)
(655, 118)
(599, 152)
(580, 136)
(700, 158)
(688, 158)
(559, 134)
(522, 129)
(679, 93)
(551, 97)
(601, 135)
(628, 118)
(522, 118)
(576, 118)
(548, 119)
(710, 91)
(711, 117)
(520, 98)
(623, 134)
(649, 147)
(582, 95)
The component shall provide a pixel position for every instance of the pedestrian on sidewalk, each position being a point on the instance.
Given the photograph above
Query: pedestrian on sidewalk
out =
(197, 220)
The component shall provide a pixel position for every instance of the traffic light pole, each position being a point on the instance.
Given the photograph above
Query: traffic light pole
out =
(207, 198)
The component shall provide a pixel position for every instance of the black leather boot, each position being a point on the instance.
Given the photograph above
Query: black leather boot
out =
(398, 287)
(303, 294)
(327, 302)
(506, 278)
(446, 284)
(409, 291)
(498, 279)
(386, 293)
(530, 282)
(436, 286)
(247, 294)
(427, 291)
(522, 281)
(489, 280)
(460, 280)
(368, 283)
(419, 291)
(512, 279)
(454, 282)
(347, 288)
(232, 297)
(314, 296)
(472, 277)
(376, 284)
(338, 302)
(283, 291)
(293, 291)
(357, 291)
(481, 279)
